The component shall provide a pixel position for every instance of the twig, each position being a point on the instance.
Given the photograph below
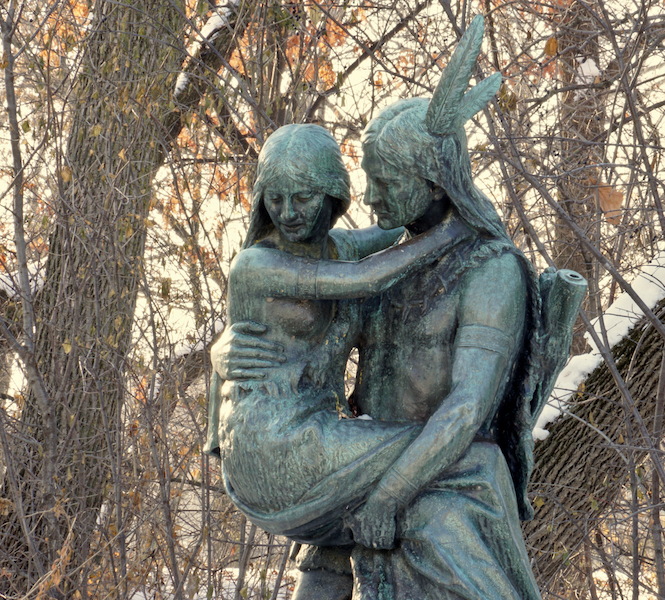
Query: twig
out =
(280, 573)
(18, 500)
(656, 527)
(244, 556)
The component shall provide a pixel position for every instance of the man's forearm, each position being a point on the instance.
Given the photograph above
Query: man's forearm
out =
(450, 430)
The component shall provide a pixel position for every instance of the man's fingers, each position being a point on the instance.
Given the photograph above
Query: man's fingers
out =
(246, 374)
(252, 363)
(249, 327)
(246, 341)
(274, 356)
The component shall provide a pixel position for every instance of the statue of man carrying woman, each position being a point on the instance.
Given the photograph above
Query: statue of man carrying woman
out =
(426, 496)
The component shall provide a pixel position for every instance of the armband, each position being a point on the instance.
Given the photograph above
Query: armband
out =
(398, 487)
(307, 278)
(487, 338)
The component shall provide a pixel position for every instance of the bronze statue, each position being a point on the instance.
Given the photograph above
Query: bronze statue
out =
(287, 462)
(456, 359)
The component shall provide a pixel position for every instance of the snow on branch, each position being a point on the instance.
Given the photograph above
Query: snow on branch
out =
(202, 338)
(9, 285)
(210, 31)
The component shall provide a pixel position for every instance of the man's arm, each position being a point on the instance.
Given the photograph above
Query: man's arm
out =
(369, 239)
(491, 320)
(268, 272)
(241, 353)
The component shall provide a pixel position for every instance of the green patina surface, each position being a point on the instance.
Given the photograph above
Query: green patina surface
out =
(459, 346)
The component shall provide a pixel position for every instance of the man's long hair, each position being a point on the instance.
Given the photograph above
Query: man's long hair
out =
(442, 160)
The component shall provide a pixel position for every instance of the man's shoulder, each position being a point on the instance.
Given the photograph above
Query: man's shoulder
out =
(345, 244)
(501, 267)
(494, 259)
(477, 258)
(495, 291)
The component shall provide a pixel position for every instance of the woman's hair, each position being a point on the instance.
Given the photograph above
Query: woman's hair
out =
(307, 154)
(399, 137)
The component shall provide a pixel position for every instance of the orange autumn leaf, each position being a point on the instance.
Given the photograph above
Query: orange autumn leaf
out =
(236, 63)
(610, 200)
(335, 34)
(60, 34)
(556, 7)
(550, 68)
(80, 11)
(244, 191)
(551, 46)
(327, 75)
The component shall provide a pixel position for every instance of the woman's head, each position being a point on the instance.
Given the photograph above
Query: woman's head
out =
(398, 137)
(298, 161)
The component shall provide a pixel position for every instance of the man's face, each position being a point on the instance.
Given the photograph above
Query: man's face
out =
(396, 197)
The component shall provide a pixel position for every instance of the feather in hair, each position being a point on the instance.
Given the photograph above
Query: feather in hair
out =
(443, 111)
(477, 97)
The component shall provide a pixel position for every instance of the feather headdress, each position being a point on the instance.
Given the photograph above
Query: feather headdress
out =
(450, 106)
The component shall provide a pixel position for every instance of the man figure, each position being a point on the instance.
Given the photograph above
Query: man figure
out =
(449, 348)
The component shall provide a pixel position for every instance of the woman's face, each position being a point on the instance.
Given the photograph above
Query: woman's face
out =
(299, 213)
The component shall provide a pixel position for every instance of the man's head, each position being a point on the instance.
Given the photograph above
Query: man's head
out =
(402, 162)
(413, 173)
(416, 155)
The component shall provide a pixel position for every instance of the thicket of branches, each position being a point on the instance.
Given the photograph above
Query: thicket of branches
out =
(132, 130)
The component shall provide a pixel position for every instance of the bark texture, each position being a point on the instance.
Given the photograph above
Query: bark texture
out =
(581, 123)
(583, 466)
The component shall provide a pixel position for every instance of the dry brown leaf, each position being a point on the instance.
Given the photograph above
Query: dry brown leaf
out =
(551, 46)
(66, 174)
(610, 200)
(6, 506)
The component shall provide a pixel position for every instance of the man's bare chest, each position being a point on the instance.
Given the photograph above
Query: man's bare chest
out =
(407, 356)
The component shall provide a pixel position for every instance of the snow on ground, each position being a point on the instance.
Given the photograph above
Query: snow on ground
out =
(618, 320)
(625, 583)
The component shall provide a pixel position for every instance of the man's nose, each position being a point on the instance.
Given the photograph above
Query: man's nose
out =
(371, 196)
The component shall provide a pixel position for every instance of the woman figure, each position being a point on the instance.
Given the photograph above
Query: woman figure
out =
(290, 463)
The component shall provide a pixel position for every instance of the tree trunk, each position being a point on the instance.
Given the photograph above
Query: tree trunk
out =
(583, 465)
(123, 121)
(581, 120)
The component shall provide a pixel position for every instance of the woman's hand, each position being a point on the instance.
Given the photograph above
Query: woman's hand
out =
(373, 524)
(241, 354)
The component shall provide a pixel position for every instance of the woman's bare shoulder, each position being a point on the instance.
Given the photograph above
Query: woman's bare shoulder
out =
(256, 259)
